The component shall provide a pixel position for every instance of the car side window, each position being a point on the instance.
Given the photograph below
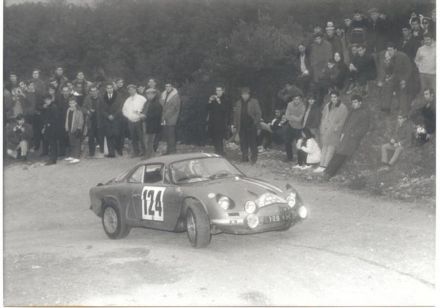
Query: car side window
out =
(153, 173)
(136, 176)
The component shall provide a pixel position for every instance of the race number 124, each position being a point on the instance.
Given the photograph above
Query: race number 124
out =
(152, 203)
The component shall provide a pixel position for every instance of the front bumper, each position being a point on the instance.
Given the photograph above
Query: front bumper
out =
(270, 218)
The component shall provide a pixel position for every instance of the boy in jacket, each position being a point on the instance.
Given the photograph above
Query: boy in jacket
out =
(74, 127)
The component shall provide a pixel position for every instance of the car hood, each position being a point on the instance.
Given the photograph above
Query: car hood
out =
(240, 189)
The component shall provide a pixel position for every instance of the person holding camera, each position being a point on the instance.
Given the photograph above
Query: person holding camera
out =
(18, 137)
(218, 117)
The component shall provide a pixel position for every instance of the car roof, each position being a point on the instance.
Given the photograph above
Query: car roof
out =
(169, 159)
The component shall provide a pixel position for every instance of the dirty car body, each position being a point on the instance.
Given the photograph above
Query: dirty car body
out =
(200, 193)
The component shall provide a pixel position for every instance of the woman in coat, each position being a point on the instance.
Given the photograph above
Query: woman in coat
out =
(309, 152)
(332, 122)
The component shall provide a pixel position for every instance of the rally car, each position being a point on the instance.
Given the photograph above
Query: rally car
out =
(200, 193)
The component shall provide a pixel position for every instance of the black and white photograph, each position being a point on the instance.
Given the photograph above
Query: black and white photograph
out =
(228, 153)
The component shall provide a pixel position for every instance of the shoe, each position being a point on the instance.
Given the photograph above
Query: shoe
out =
(319, 170)
(74, 161)
(49, 163)
(297, 167)
(305, 167)
(110, 156)
(68, 158)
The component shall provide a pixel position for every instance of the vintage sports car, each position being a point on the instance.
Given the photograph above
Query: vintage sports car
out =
(200, 193)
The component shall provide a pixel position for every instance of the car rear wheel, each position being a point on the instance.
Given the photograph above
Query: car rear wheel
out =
(198, 227)
(113, 225)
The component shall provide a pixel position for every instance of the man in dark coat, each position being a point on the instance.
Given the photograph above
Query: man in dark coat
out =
(303, 69)
(218, 117)
(378, 29)
(52, 128)
(362, 68)
(62, 102)
(355, 128)
(394, 74)
(90, 111)
(153, 119)
(110, 118)
(247, 117)
(408, 44)
(40, 86)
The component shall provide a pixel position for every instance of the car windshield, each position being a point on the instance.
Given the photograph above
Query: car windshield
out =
(201, 169)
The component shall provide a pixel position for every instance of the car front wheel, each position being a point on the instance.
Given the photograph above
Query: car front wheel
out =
(197, 226)
(113, 225)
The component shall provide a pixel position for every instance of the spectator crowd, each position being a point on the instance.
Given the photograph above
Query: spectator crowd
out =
(321, 116)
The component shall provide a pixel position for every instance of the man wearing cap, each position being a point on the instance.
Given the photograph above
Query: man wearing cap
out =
(171, 104)
(132, 110)
(294, 115)
(394, 71)
(247, 116)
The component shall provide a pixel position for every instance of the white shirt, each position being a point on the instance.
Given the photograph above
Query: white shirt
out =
(425, 59)
(133, 107)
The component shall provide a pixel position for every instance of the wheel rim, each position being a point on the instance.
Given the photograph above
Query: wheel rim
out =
(110, 220)
(191, 226)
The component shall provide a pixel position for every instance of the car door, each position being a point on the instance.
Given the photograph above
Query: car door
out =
(156, 201)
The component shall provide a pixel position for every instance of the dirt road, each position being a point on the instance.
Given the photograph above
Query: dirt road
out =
(352, 250)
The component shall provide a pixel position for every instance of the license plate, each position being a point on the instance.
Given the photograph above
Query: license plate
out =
(276, 218)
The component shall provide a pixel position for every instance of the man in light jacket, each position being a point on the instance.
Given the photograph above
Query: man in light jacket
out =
(355, 127)
(294, 115)
(171, 105)
(132, 110)
(332, 122)
(425, 61)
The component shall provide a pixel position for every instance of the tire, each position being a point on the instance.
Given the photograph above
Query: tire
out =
(112, 222)
(198, 227)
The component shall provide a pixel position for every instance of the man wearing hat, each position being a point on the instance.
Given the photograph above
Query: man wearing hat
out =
(247, 116)
(132, 110)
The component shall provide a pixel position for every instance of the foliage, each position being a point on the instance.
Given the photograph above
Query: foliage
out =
(195, 43)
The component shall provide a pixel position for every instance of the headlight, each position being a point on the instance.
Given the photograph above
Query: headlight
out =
(250, 207)
(252, 221)
(291, 199)
(302, 212)
(224, 202)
